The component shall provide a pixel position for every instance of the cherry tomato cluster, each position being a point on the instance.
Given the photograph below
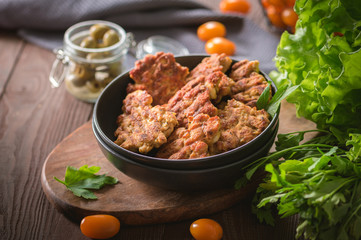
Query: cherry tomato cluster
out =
(280, 13)
(214, 34)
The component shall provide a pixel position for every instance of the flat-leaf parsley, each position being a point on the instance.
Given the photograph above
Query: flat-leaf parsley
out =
(81, 181)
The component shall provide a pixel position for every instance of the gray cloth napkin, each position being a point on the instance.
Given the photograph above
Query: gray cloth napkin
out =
(44, 22)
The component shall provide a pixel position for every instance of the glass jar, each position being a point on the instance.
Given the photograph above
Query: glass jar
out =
(159, 43)
(85, 68)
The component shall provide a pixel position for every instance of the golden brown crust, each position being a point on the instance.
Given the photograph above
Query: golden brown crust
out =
(214, 63)
(243, 69)
(142, 127)
(219, 85)
(249, 89)
(160, 75)
(192, 99)
(192, 142)
(249, 83)
(195, 97)
(239, 125)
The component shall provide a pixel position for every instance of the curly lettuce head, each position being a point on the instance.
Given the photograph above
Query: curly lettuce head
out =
(324, 58)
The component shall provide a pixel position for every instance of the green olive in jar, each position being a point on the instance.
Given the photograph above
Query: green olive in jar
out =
(93, 86)
(80, 74)
(93, 57)
(97, 31)
(101, 55)
(115, 68)
(88, 42)
(106, 81)
(110, 38)
(101, 75)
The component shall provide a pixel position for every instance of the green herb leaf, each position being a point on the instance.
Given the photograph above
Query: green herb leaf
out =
(281, 94)
(81, 181)
(353, 8)
(289, 140)
(318, 182)
(355, 151)
(356, 230)
(263, 100)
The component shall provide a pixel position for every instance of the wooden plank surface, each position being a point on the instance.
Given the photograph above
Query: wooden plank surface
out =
(10, 49)
(34, 118)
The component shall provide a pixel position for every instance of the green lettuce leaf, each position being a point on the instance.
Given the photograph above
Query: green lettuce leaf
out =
(326, 66)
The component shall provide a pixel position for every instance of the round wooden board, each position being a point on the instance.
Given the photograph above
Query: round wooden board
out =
(133, 202)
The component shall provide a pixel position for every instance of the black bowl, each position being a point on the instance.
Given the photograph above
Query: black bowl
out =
(109, 106)
(183, 180)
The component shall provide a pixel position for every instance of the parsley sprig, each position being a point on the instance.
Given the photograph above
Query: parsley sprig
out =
(81, 181)
(319, 180)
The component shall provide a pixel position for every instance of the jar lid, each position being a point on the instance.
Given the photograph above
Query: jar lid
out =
(158, 43)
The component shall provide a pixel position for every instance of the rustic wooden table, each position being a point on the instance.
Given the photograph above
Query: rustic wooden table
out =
(34, 118)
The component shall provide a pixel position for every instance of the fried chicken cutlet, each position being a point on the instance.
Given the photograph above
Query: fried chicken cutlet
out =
(160, 75)
(249, 83)
(209, 65)
(142, 127)
(243, 69)
(192, 142)
(195, 97)
(239, 125)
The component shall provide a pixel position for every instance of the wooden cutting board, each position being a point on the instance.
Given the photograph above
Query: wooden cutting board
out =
(133, 202)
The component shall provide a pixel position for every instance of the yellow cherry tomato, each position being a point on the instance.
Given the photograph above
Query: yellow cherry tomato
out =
(238, 6)
(280, 3)
(289, 17)
(206, 229)
(210, 30)
(100, 226)
(290, 3)
(275, 17)
(220, 45)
